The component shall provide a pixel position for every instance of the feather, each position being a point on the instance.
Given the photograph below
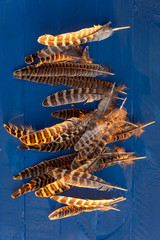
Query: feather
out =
(59, 144)
(31, 58)
(48, 147)
(70, 96)
(68, 113)
(69, 211)
(17, 132)
(46, 52)
(95, 33)
(40, 169)
(128, 132)
(78, 202)
(74, 178)
(74, 82)
(47, 135)
(89, 136)
(50, 190)
(67, 39)
(96, 139)
(104, 104)
(71, 69)
(70, 55)
(33, 184)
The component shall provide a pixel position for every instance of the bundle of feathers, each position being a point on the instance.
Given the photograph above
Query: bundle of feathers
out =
(63, 61)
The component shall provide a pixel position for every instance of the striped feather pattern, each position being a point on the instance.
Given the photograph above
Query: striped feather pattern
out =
(69, 113)
(40, 169)
(48, 147)
(74, 82)
(70, 96)
(72, 38)
(74, 54)
(53, 146)
(127, 132)
(74, 178)
(69, 211)
(89, 136)
(78, 202)
(49, 51)
(31, 58)
(71, 69)
(95, 33)
(46, 52)
(17, 132)
(47, 135)
(34, 184)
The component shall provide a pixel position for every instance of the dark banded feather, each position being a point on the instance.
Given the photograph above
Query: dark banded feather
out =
(73, 54)
(40, 169)
(95, 33)
(17, 132)
(67, 39)
(47, 135)
(48, 147)
(74, 178)
(70, 69)
(74, 82)
(78, 202)
(69, 113)
(70, 96)
(46, 52)
(69, 211)
(34, 184)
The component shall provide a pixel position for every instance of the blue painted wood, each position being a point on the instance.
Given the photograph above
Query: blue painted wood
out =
(134, 57)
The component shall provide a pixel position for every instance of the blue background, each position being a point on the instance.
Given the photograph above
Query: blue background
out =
(134, 56)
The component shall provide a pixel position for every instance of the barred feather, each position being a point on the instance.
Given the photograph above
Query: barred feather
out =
(31, 58)
(47, 135)
(34, 184)
(17, 132)
(71, 69)
(74, 82)
(46, 52)
(48, 147)
(70, 96)
(69, 211)
(41, 168)
(69, 113)
(60, 144)
(74, 178)
(128, 131)
(72, 55)
(95, 33)
(78, 202)
(66, 39)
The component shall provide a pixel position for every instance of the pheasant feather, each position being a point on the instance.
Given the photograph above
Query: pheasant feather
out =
(70, 96)
(70, 69)
(95, 33)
